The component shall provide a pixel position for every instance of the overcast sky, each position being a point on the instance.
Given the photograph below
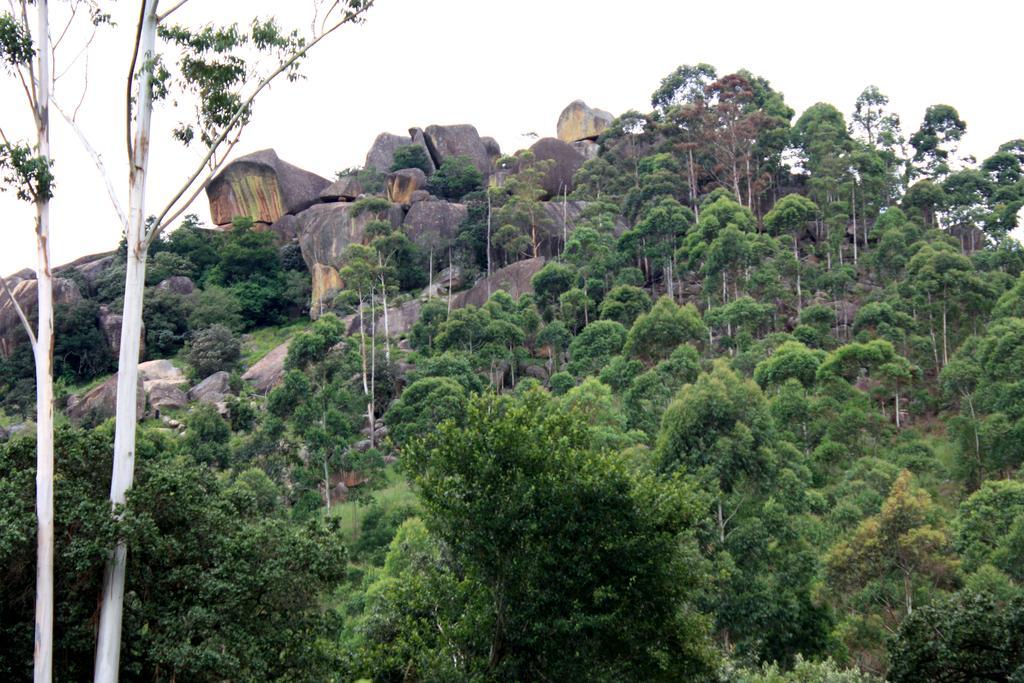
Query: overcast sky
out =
(510, 67)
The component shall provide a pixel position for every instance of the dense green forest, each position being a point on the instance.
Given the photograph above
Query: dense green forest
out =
(760, 418)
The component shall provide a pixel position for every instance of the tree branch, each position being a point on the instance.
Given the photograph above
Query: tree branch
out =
(21, 314)
(159, 223)
(97, 159)
(131, 81)
(171, 11)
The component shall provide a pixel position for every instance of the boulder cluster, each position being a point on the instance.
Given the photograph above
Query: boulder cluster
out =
(325, 217)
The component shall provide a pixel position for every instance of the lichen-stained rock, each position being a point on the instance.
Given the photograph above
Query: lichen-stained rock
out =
(268, 372)
(100, 402)
(26, 293)
(326, 230)
(382, 153)
(433, 224)
(580, 122)
(565, 162)
(344, 189)
(444, 142)
(262, 187)
(404, 183)
(326, 285)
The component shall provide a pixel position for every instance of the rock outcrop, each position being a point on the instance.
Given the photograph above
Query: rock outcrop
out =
(588, 149)
(213, 389)
(326, 230)
(565, 162)
(268, 372)
(263, 187)
(326, 285)
(382, 153)
(179, 284)
(90, 267)
(433, 224)
(404, 183)
(109, 322)
(344, 189)
(100, 403)
(580, 122)
(26, 293)
(444, 142)
(165, 396)
(419, 138)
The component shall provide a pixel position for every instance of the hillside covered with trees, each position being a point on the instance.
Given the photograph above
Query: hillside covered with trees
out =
(713, 392)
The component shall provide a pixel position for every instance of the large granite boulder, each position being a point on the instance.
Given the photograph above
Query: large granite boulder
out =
(516, 279)
(179, 284)
(493, 149)
(165, 395)
(160, 370)
(382, 153)
(565, 162)
(100, 402)
(404, 183)
(262, 187)
(400, 319)
(326, 285)
(444, 142)
(326, 230)
(344, 189)
(26, 293)
(267, 373)
(90, 267)
(213, 389)
(433, 224)
(562, 219)
(580, 122)
(286, 228)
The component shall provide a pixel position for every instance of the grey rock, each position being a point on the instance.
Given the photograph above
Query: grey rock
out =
(588, 149)
(267, 373)
(213, 389)
(444, 142)
(345, 189)
(493, 149)
(179, 284)
(420, 196)
(110, 324)
(100, 402)
(263, 187)
(286, 228)
(382, 153)
(90, 267)
(516, 279)
(536, 372)
(161, 371)
(434, 224)
(565, 162)
(326, 230)
(26, 293)
(164, 395)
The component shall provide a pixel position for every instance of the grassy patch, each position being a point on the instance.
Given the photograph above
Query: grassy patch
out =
(396, 493)
(259, 343)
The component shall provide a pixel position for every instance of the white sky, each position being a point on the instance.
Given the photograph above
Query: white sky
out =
(510, 68)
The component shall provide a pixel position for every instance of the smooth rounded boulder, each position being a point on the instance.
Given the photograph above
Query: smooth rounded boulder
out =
(433, 225)
(262, 187)
(565, 162)
(326, 230)
(403, 184)
(382, 152)
(444, 142)
(581, 122)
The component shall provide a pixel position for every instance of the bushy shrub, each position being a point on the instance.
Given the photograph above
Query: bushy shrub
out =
(214, 349)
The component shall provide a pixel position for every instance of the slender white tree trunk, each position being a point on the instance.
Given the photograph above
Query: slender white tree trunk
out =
(108, 645)
(43, 650)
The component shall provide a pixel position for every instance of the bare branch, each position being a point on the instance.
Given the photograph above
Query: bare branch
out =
(97, 159)
(21, 314)
(159, 223)
(171, 11)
